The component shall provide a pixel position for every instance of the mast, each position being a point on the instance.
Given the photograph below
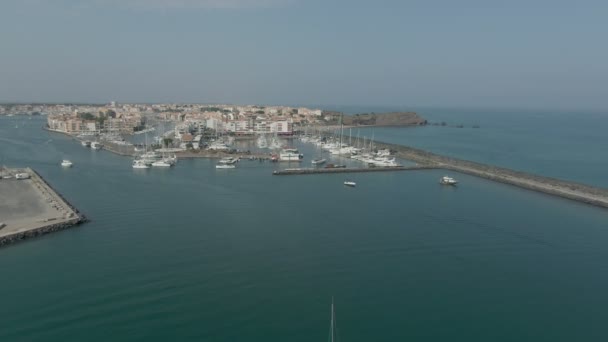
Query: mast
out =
(341, 132)
(331, 329)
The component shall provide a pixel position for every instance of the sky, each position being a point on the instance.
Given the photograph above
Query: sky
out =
(525, 54)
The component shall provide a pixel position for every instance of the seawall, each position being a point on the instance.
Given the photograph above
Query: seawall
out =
(566, 189)
(36, 227)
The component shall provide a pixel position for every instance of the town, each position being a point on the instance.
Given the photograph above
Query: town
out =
(114, 118)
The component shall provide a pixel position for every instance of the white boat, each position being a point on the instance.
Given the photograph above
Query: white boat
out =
(229, 160)
(22, 175)
(85, 143)
(140, 164)
(162, 163)
(290, 154)
(225, 166)
(318, 161)
(448, 180)
(96, 145)
(66, 163)
(350, 183)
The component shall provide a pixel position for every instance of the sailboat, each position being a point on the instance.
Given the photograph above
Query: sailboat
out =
(332, 324)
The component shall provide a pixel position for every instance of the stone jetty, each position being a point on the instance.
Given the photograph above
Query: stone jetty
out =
(32, 207)
(551, 186)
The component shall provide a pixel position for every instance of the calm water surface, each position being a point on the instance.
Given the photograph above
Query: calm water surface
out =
(195, 254)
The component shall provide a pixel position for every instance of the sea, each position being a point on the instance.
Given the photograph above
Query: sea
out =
(194, 253)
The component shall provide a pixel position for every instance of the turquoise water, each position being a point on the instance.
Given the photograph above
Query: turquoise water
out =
(567, 145)
(193, 254)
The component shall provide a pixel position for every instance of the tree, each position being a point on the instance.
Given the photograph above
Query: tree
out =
(167, 142)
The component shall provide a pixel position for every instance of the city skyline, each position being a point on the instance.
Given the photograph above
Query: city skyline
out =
(537, 54)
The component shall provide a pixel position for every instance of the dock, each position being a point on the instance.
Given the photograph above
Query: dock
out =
(32, 207)
(313, 171)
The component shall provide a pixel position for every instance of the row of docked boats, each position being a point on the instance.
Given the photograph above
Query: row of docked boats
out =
(95, 145)
(227, 163)
(153, 159)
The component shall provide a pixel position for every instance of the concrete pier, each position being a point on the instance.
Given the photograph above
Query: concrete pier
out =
(30, 207)
(313, 171)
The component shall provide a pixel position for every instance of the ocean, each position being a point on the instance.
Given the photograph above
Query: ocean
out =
(199, 254)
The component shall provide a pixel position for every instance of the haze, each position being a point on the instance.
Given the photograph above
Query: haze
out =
(442, 53)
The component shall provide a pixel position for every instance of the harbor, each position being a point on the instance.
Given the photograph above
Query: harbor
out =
(374, 156)
(32, 207)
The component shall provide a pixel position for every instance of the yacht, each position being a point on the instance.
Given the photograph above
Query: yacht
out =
(290, 154)
(162, 163)
(350, 183)
(229, 160)
(318, 161)
(140, 164)
(223, 164)
(66, 163)
(448, 180)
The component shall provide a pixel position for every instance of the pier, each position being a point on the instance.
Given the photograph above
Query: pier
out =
(313, 171)
(31, 207)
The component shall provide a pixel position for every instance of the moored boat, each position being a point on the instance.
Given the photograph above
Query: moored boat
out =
(290, 154)
(445, 180)
(162, 163)
(319, 161)
(140, 164)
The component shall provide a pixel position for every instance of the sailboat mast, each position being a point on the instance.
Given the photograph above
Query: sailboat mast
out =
(332, 319)
(341, 131)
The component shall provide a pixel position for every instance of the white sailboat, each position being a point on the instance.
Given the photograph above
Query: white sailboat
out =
(332, 323)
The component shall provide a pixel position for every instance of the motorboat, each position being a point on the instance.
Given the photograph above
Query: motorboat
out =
(221, 165)
(96, 145)
(448, 180)
(229, 160)
(140, 164)
(290, 154)
(66, 163)
(162, 163)
(319, 161)
(85, 143)
(350, 183)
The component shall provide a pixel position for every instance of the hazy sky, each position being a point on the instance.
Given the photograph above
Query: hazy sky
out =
(516, 53)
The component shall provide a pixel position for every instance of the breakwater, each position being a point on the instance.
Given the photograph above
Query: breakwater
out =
(313, 171)
(63, 214)
(551, 186)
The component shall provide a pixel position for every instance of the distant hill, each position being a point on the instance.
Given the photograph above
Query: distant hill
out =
(377, 119)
